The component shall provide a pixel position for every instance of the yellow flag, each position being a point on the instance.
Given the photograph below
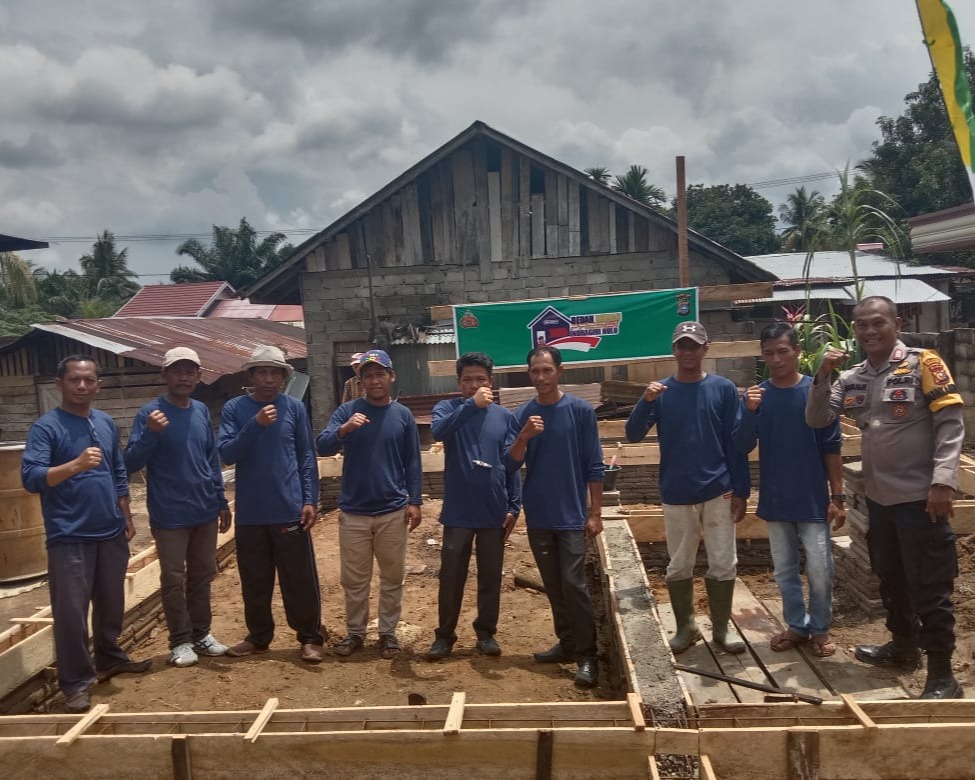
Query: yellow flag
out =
(944, 45)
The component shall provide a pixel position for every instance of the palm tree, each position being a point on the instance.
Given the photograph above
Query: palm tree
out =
(634, 185)
(107, 270)
(234, 256)
(16, 280)
(804, 216)
(61, 292)
(598, 173)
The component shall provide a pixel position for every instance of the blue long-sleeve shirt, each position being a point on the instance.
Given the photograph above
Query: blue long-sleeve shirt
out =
(184, 484)
(696, 424)
(381, 468)
(476, 496)
(792, 482)
(85, 506)
(561, 461)
(277, 471)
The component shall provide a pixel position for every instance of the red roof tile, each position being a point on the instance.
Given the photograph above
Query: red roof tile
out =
(173, 300)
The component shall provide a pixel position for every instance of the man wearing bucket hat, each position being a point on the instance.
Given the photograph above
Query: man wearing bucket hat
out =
(382, 481)
(74, 460)
(172, 438)
(267, 436)
(704, 482)
(352, 388)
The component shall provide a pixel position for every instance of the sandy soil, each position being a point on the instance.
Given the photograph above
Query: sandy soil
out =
(364, 678)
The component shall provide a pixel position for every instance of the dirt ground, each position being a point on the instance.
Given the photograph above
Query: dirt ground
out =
(364, 679)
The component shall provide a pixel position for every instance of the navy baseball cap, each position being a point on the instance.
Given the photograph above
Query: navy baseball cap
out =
(376, 356)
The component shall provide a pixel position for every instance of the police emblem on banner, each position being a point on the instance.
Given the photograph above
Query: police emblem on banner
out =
(683, 304)
(468, 320)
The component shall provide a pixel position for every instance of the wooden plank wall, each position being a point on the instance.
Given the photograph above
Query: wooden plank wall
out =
(18, 407)
(487, 203)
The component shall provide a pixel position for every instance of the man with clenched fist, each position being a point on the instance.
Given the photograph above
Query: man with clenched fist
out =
(800, 489)
(704, 482)
(267, 436)
(559, 444)
(74, 460)
(382, 480)
(172, 438)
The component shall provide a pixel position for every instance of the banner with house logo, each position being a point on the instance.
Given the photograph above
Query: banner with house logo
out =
(589, 329)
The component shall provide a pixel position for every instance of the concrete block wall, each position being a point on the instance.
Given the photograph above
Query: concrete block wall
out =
(337, 305)
(964, 375)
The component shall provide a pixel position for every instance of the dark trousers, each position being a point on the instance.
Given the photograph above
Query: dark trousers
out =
(455, 557)
(561, 560)
(187, 566)
(287, 549)
(916, 562)
(79, 574)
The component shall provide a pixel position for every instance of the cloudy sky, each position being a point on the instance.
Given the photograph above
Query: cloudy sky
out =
(162, 119)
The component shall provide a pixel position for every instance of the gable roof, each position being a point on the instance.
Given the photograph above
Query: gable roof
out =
(174, 300)
(223, 345)
(280, 277)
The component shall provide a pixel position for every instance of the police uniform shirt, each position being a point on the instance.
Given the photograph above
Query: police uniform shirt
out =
(909, 413)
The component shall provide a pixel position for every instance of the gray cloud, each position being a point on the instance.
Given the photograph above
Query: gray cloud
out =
(36, 151)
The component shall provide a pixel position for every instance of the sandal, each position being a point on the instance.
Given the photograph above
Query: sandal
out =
(389, 646)
(823, 646)
(787, 640)
(348, 645)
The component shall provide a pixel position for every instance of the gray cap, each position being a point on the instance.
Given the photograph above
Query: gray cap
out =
(692, 330)
(177, 354)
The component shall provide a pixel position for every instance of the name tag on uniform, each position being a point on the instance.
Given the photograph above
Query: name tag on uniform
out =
(899, 394)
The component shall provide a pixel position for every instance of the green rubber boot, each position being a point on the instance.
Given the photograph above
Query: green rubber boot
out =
(720, 594)
(682, 602)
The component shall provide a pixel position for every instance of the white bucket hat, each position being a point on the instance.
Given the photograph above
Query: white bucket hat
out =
(270, 356)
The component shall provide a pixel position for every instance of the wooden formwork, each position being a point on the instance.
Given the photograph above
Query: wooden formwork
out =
(845, 740)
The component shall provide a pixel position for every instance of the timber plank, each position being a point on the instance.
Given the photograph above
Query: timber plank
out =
(455, 715)
(788, 669)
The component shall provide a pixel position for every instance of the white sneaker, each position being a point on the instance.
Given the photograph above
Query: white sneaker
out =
(183, 655)
(209, 646)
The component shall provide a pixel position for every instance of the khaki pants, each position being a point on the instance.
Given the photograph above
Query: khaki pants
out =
(686, 524)
(360, 538)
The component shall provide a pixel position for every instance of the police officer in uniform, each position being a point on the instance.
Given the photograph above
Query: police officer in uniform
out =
(909, 411)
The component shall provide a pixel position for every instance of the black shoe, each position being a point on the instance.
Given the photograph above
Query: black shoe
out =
(942, 688)
(891, 654)
(489, 646)
(440, 649)
(77, 702)
(588, 674)
(556, 654)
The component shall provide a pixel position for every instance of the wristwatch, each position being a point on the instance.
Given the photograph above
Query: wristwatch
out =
(840, 498)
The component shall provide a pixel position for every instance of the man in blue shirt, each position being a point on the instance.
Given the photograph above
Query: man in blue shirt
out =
(559, 444)
(704, 482)
(267, 435)
(382, 480)
(800, 488)
(481, 501)
(172, 438)
(74, 460)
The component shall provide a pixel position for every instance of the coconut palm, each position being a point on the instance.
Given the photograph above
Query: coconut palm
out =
(16, 280)
(234, 256)
(804, 215)
(599, 174)
(634, 185)
(106, 271)
(61, 292)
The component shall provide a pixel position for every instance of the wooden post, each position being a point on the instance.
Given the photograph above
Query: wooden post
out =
(682, 258)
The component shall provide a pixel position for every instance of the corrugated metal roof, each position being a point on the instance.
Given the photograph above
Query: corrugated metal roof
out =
(237, 309)
(902, 290)
(835, 266)
(436, 334)
(222, 344)
(173, 300)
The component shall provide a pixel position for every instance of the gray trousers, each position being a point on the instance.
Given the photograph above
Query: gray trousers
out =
(82, 574)
(187, 566)
(455, 557)
(561, 560)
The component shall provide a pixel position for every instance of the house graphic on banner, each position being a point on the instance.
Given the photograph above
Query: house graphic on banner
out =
(552, 328)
